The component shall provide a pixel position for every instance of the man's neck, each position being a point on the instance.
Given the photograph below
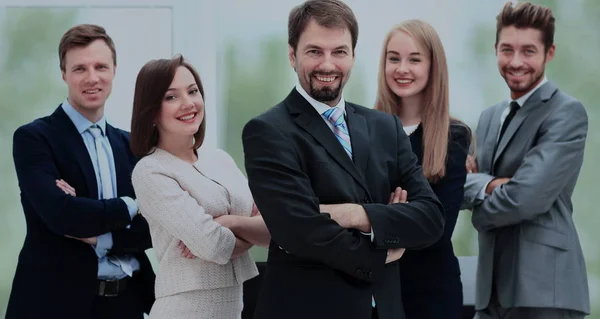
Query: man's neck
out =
(92, 115)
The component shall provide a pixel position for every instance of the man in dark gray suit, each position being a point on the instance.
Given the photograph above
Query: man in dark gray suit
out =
(530, 151)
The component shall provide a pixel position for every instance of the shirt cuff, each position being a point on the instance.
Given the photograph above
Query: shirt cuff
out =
(371, 234)
(131, 206)
(482, 194)
(104, 243)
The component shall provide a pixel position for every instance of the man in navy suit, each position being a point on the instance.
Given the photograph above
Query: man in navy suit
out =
(83, 255)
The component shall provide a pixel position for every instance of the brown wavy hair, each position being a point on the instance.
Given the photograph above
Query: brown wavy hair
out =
(151, 84)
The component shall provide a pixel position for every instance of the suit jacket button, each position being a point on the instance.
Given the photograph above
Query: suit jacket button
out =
(369, 274)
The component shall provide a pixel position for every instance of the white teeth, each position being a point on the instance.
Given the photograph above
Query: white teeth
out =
(325, 79)
(187, 118)
(92, 91)
(403, 81)
(519, 74)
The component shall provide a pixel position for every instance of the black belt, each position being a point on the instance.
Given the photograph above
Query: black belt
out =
(112, 287)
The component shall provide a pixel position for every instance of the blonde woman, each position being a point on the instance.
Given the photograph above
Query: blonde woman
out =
(413, 84)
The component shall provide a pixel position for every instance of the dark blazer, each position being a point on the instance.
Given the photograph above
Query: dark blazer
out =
(315, 268)
(431, 276)
(56, 276)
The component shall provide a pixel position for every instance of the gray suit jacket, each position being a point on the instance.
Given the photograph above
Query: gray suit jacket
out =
(527, 238)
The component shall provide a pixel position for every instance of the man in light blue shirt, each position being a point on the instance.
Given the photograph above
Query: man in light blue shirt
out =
(83, 255)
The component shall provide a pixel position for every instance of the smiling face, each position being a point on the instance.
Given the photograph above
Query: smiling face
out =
(406, 66)
(323, 61)
(182, 109)
(89, 73)
(521, 58)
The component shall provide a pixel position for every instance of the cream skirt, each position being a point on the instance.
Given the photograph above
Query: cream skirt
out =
(221, 303)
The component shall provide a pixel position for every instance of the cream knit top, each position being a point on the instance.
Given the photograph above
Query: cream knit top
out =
(179, 201)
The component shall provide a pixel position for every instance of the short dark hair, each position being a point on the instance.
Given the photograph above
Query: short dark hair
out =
(81, 36)
(527, 15)
(327, 13)
(151, 84)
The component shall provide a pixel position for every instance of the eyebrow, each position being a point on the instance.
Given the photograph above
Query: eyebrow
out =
(314, 46)
(526, 46)
(394, 52)
(174, 89)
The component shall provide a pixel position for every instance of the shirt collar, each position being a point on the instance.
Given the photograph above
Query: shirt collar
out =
(81, 123)
(320, 107)
(525, 97)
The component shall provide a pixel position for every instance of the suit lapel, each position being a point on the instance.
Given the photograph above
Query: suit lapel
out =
(310, 121)
(65, 128)
(536, 100)
(122, 167)
(359, 137)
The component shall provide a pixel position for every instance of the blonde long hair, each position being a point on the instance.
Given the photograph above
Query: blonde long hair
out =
(435, 113)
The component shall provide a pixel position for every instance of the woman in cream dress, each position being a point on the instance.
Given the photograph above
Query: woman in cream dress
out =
(197, 202)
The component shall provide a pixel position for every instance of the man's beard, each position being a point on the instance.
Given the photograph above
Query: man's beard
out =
(325, 94)
(527, 87)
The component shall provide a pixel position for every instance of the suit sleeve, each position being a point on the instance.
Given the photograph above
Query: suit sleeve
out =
(476, 182)
(290, 208)
(450, 189)
(63, 214)
(547, 168)
(416, 224)
(163, 202)
(133, 240)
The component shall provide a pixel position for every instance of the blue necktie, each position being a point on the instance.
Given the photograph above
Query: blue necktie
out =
(106, 184)
(336, 117)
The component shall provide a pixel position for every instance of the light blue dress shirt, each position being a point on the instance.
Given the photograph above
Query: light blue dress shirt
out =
(106, 268)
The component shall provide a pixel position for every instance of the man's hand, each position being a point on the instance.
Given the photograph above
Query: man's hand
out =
(398, 196)
(185, 252)
(65, 187)
(394, 254)
(495, 183)
(471, 164)
(92, 240)
(348, 216)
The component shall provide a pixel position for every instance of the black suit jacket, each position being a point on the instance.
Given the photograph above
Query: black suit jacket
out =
(316, 268)
(431, 276)
(56, 276)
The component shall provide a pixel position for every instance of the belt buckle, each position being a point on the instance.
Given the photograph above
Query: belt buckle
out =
(102, 290)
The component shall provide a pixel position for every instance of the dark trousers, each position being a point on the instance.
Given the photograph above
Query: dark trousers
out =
(127, 305)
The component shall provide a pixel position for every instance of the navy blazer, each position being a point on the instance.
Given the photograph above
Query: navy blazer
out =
(56, 276)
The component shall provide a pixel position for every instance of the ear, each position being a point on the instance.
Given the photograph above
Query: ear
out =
(292, 57)
(115, 69)
(496, 49)
(63, 76)
(550, 53)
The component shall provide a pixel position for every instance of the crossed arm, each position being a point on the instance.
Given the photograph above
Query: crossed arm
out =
(67, 215)
(543, 174)
(291, 210)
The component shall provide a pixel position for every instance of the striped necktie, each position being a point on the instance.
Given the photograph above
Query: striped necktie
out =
(335, 116)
